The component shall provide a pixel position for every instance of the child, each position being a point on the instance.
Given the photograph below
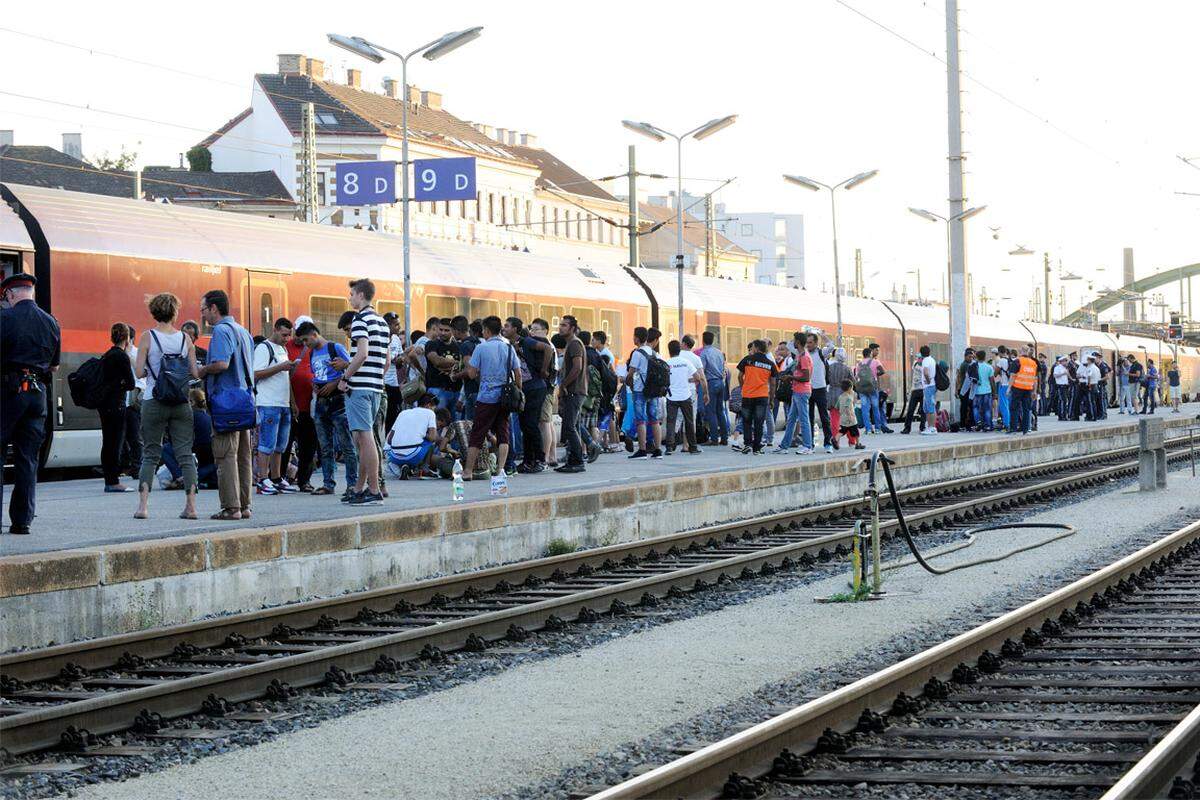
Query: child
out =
(845, 405)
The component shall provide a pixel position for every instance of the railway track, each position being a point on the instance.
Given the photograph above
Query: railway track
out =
(66, 695)
(1061, 698)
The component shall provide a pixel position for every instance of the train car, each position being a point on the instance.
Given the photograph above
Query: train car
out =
(98, 259)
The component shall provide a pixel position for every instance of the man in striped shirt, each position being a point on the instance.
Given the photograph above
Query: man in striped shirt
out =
(363, 380)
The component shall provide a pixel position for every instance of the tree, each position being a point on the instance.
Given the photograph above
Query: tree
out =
(123, 161)
(199, 159)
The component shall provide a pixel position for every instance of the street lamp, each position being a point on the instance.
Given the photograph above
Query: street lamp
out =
(659, 135)
(917, 272)
(932, 217)
(816, 186)
(1022, 250)
(375, 54)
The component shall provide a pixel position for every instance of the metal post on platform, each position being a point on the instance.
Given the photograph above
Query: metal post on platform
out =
(1152, 455)
(876, 569)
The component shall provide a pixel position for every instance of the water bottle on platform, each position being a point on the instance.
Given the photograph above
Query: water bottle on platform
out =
(457, 476)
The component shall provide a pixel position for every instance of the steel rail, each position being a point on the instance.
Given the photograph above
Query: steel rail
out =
(114, 711)
(750, 752)
(1153, 775)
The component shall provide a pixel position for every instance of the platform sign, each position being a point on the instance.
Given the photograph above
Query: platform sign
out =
(444, 179)
(365, 183)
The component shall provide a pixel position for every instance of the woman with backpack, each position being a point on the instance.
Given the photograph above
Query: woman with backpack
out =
(167, 360)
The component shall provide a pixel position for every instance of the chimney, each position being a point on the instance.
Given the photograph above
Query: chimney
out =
(72, 145)
(391, 87)
(316, 69)
(354, 78)
(486, 130)
(528, 140)
(513, 138)
(432, 100)
(414, 96)
(292, 64)
(6, 138)
(500, 135)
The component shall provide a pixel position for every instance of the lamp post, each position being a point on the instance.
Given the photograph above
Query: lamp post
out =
(375, 54)
(659, 134)
(932, 217)
(816, 186)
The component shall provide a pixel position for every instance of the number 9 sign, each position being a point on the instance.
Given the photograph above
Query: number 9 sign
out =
(444, 179)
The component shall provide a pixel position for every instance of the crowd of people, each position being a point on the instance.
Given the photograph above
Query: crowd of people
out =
(493, 398)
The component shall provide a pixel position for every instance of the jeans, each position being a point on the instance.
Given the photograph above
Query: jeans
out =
(716, 417)
(1062, 401)
(872, 414)
(1022, 406)
(1125, 398)
(754, 411)
(1149, 399)
(820, 403)
(798, 413)
(112, 432)
(1002, 399)
(394, 404)
(568, 409)
(684, 407)
(333, 435)
(176, 420)
(206, 468)
(304, 439)
(516, 447)
(447, 399)
(531, 432)
(966, 412)
(915, 399)
(235, 469)
(983, 411)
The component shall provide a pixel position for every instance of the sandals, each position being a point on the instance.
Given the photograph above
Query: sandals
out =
(322, 490)
(141, 515)
(186, 515)
(225, 515)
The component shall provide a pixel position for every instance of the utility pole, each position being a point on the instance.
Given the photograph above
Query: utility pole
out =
(137, 184)
(308, 164)
(959, 315)
(858, 276)
(710, 244)
(1046, 285)
(633, 209)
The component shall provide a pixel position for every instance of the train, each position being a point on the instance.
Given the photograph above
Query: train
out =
(99, 258)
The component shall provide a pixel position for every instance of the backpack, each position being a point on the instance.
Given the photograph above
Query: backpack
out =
(174, 376)
(512, 399)
(735, 400)
(941, 421)
(864, 378)
(608, 379)
(941, 376)
(658, 375)
(87, 384)
(594, 392)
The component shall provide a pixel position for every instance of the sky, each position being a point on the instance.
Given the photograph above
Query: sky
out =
(1075, 113)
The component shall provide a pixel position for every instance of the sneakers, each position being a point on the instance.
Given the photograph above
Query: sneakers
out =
(929, 432)
(804, 451)
(744, 450)
(285, 487)
(593, 453)
(349, 495)
(695, 451)
(657, 454)
(367, 498)
(828, 448)
(639, 454)
(779, 451)
(570, 468)
(266, 487)
(860, 446)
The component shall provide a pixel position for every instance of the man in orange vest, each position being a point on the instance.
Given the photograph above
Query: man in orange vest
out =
(1023, 383)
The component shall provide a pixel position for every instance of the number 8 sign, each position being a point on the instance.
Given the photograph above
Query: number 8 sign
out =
(444, 179)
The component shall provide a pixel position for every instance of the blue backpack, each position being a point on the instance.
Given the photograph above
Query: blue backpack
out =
(232, 408)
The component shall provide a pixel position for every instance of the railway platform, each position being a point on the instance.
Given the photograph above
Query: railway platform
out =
(89, 569)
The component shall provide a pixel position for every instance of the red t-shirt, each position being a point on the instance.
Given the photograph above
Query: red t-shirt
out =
(803, 362)
(302, 375)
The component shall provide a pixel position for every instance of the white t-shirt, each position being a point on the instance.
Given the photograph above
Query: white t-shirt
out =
(1092, 373)
(1002, 367)
(918, 377)
(395, 348)
(274, 391)
(929, 369)
(410, 429)
(682, 370)
(695, 361)
(818, 370)
(1062, 376)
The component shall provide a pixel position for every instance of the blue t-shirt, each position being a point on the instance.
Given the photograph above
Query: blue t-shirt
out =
(232, 343)
(985, 378)
(323, 371)
(495, 359)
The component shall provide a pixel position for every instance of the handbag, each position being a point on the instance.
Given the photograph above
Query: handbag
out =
(512, 398)
(411, 391)
(232, 408)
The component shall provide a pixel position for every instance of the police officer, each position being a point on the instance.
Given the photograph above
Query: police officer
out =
(30, 347)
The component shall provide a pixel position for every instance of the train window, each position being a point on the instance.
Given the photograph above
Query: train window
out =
(266, 312)
(775, 336)
(523, 311)
(715, 330)
(753, 334)
(553, 315)
(483, 308)
(586, 317)
(394, 306)
(610, 323)
(440, 306)
(325, 312)
(735, 343)
(643, 317)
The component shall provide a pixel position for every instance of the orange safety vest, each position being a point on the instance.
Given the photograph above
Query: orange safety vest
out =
(1026, 377)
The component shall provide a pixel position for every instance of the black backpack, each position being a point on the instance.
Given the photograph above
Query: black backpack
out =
(87, 384)
(941, 376)
(608, 379)
(174, 377)
(658, 376)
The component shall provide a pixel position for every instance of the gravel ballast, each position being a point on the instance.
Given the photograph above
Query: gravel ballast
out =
(554, 723)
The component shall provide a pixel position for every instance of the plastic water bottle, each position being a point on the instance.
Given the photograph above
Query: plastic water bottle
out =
(457, 475)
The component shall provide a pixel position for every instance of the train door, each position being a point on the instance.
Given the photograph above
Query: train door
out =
(264, 298)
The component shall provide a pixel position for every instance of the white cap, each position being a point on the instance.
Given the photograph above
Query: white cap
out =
(303, 318)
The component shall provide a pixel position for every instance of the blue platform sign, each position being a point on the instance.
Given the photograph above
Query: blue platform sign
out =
(444, 179)
(365, 183)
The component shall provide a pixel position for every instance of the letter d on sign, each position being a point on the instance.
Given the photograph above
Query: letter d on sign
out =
(380, 185)
(461, 181)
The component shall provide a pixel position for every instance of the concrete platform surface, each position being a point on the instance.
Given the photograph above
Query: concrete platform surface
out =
(78, 514)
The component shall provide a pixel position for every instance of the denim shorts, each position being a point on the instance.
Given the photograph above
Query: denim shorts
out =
(362, 406)
(929, 406)
(645, 410)
(274, 428)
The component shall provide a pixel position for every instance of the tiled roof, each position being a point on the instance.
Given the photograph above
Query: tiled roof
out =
(559, 174)
(693, 229)
(47, 167)
(221, 131)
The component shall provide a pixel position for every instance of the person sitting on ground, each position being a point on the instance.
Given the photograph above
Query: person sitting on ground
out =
(202, 434)
(413, 441)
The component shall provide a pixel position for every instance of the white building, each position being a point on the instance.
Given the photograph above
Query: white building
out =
(527, 198)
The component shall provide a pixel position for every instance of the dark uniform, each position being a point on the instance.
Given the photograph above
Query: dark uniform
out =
(30, 347)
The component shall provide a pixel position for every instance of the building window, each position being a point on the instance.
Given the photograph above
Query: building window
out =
(528, 212)
(589, 228)
(491, 208)
(780, 228)
(503, 211)
(747, 229)
(556, 222)
(321, 189)
(478, 206)
(543, 230)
